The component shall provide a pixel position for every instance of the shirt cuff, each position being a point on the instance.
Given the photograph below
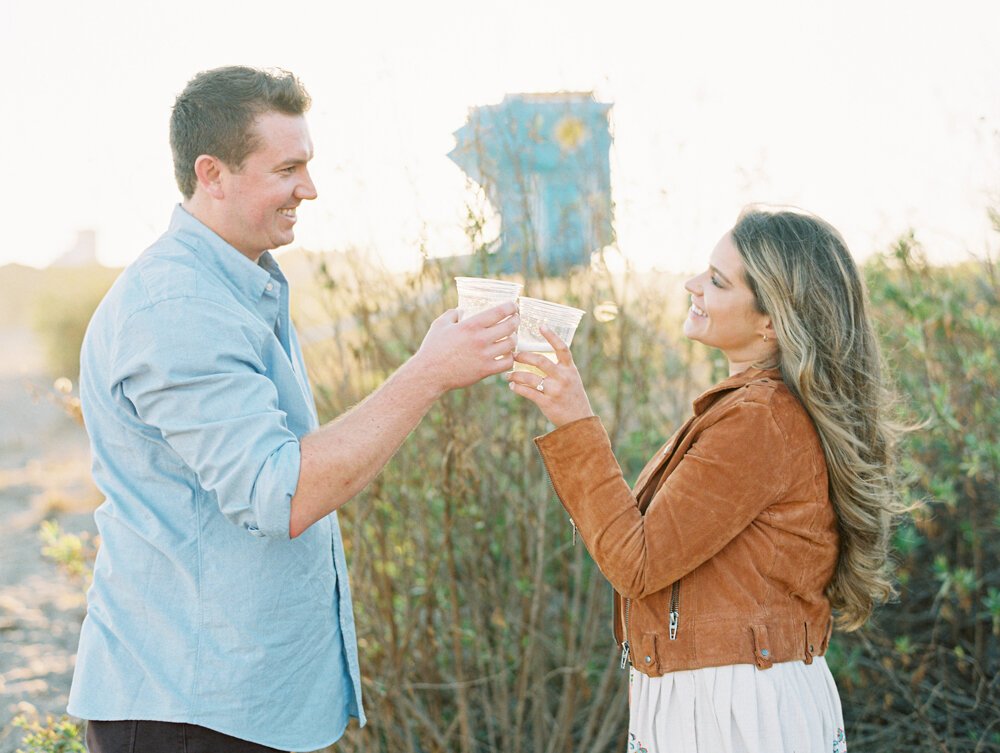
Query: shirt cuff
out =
(273, 492)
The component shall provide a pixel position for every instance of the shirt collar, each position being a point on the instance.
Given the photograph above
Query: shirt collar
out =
(223, 259)
(731, 383)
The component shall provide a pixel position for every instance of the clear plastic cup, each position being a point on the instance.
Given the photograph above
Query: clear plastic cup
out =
(477, 294)
(562, 320)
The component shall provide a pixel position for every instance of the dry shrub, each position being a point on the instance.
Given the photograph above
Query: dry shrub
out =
(481, 626)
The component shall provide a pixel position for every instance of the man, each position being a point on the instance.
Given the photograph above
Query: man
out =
(220, 616)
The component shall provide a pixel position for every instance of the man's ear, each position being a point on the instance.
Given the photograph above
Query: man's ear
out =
(209, 170)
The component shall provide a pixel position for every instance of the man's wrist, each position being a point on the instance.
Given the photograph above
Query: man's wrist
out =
(421, 377)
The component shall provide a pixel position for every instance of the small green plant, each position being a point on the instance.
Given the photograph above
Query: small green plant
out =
(71, 552)
(53, 736)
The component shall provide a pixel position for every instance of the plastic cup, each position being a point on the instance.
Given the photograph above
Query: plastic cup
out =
(477, 294)
(534, 312)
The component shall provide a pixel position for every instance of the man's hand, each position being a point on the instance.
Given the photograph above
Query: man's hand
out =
(459, 353)
(339, 459)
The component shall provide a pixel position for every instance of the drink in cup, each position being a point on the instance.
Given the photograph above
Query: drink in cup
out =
(562, 320)
(477, 294)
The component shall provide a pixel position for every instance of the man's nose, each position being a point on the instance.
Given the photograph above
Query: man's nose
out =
(306, 189)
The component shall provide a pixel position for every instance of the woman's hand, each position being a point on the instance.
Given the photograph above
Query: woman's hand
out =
(559, 394)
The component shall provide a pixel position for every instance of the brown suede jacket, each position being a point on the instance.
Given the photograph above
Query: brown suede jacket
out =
(722, 551)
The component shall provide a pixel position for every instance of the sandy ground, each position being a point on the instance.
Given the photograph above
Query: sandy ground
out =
(44, 474)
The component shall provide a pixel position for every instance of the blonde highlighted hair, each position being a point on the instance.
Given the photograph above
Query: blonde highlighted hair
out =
(804, 278)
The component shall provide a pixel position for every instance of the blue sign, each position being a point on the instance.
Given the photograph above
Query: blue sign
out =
(543, 161)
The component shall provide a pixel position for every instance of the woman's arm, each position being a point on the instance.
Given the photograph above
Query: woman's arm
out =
(724, 482)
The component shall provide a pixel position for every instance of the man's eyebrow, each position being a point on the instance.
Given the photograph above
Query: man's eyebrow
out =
(298, 160)
(292, 162)
(716, 271)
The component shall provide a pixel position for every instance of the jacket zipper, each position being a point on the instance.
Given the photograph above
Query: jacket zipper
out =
(675, 603)
(675, 616)
(571, 521)
(625, 646)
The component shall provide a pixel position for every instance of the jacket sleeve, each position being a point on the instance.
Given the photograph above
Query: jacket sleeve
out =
(725, 480)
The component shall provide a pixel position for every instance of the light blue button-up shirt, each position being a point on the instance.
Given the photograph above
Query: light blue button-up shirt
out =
(203, 610)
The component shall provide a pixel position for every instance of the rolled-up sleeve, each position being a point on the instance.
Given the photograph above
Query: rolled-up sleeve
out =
(193, 370)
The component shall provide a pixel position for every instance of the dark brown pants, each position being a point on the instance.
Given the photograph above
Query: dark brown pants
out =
(164, 737)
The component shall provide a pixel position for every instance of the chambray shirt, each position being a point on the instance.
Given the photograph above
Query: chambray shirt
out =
(202, 609)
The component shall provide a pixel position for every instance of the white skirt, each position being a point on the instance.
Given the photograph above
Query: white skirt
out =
(793, 707)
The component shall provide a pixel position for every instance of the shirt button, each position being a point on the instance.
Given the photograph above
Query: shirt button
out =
(269, 286)
(649, 659)
(764, 652)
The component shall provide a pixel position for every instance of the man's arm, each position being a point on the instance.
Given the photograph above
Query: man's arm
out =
(339, 459)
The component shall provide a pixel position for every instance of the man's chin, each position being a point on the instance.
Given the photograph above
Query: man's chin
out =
(284, 239)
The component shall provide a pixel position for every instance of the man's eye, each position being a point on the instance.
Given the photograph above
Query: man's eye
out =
(288, 170)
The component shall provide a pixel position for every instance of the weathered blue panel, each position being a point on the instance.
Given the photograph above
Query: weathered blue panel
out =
(543, 160)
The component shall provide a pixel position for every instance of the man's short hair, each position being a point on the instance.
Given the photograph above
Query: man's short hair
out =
(216, 112)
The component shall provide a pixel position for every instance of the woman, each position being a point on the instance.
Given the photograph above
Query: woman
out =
(769, 508)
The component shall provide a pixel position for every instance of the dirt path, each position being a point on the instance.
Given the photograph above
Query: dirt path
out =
(44, 474)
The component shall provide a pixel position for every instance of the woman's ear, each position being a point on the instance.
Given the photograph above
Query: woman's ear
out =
(766, 330)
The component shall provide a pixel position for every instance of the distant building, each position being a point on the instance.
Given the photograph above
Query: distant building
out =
(83, 252)
(543, 161)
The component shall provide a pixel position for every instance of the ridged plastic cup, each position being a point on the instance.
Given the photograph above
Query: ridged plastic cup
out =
(477, 294)
(534, 312)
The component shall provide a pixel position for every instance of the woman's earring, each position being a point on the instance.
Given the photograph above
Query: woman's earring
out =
(765, 338)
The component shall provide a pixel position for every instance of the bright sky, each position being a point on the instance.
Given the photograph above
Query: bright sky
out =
(878, 115)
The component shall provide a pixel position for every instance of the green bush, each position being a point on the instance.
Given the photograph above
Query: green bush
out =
(61, 310)
(924, 676)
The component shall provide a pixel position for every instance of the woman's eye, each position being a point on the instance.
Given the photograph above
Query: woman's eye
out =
(715, 281)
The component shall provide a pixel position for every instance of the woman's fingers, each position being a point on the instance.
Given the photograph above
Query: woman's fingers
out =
(562, 350)
(537, 360)
(530, 380)
(531, 393)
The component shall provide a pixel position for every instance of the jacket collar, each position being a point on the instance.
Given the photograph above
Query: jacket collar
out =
(707, 398)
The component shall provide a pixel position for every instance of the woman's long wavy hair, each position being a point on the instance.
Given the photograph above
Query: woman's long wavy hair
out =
(804, 278)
